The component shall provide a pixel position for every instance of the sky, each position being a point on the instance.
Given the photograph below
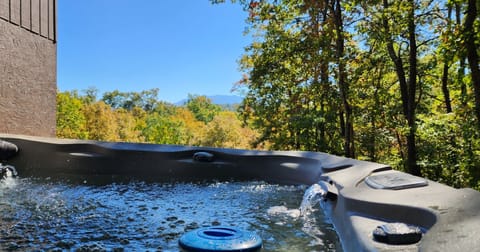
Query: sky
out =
(180, 47)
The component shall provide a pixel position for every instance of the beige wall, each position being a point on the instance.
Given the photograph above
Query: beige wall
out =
(28, 67)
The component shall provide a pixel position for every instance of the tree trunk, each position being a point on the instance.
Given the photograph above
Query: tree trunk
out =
(412, 166)
(472, 55)
(445, 89)
(446, 65)
(407, 88)
(342, 80)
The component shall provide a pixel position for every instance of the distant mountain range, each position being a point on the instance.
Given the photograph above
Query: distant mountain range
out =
(219, 100)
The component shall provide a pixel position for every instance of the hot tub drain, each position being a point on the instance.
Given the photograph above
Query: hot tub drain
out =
(220, 238)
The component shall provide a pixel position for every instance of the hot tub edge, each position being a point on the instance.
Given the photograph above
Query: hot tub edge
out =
(448, 217)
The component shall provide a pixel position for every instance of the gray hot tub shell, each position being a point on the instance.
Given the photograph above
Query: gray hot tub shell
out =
(448, 217)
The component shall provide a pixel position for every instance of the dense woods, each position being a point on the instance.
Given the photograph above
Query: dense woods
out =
(395, 82)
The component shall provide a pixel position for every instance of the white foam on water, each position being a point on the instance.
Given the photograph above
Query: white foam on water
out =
(9, 181)
(283, 211)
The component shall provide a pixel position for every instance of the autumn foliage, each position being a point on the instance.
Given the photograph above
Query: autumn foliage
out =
(140, 117)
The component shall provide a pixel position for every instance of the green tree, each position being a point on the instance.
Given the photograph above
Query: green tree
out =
(71, 122)
(202, 107)
(89, 95)
(387, 78)
(299, 92)
(407, 80)
(162, 130)
(147, 99)
(471, 42)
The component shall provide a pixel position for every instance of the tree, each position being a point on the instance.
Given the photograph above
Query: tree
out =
(226, 130)
(381, 80)
(202, 107)
(99, 117)
(89, 95)
(71, 122)
(343, 85)
(472, 44)
(298, 84)
(446, 49)
(162, 130)
(128, 129)
(147, 99)
(407, 80)
(194, 129)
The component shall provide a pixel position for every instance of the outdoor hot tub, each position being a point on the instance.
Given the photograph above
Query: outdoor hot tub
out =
(133, 191)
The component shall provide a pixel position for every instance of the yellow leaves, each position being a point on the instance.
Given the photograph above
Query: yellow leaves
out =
(226, 130)
(194, 129)
(100, 122)
(70, 119)
(82, 118)
(127, 126)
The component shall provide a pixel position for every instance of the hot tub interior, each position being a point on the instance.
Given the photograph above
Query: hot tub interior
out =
(39, 214)
(88, 195)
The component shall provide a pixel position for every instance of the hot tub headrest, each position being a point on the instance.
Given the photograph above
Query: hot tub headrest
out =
(7, 150)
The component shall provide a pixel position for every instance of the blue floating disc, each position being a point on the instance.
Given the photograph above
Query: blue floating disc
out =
(220, 238)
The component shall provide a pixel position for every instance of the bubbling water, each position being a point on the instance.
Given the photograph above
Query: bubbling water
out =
(7, 171)
(7, 176)
(38, 214)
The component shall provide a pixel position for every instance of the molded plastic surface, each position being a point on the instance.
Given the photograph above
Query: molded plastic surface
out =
(203, 156)
(395, 181)
(7, 150)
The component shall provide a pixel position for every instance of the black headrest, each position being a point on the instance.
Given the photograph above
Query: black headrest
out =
(7, 150)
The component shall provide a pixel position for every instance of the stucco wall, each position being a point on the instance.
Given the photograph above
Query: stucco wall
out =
(27, 68)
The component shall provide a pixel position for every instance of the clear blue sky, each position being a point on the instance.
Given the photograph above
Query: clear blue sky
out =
(181, 47)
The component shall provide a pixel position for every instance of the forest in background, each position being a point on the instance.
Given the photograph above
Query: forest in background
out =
(141, 117)
(394, 82)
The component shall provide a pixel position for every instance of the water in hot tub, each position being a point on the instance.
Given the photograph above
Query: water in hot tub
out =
(42, 215)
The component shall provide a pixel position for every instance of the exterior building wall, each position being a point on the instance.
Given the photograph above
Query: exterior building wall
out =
(28, 58)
